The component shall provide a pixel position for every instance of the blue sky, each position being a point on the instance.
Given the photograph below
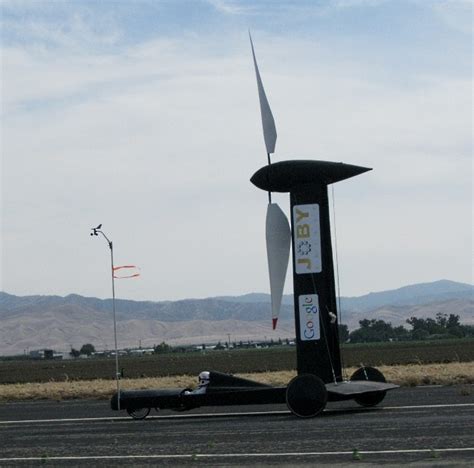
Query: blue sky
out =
(143, 115)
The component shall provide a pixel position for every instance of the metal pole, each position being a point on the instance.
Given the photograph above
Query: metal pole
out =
(95, 232)
(117, 375)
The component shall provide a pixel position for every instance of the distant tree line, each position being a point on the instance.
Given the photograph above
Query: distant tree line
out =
(441, 327)
(370, 331)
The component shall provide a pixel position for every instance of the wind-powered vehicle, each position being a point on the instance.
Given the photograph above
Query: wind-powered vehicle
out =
(319, 371)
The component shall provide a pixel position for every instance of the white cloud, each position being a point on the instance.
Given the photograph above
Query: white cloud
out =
(231, 7)
(356, 3)
(60, 24)
(456, 14)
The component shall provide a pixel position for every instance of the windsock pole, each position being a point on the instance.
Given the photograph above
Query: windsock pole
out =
(117, 374)
(95, 232)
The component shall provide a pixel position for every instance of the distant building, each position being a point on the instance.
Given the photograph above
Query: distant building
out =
(45, 354)
(141, 352)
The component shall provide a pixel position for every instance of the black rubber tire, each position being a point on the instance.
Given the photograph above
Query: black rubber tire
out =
(138, 413)
(306, 396)
(373, 374)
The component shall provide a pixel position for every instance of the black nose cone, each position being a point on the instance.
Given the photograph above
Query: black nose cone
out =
(286, 176)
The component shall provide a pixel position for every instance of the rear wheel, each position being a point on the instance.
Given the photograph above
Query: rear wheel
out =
(138, 413)
(373, 374)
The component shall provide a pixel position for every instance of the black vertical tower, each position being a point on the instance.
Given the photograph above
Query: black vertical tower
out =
(316, 325)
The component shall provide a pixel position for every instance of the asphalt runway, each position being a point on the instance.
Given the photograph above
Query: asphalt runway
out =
(424, 426)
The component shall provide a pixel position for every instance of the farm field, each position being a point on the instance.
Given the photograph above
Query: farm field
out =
(453, 373)
(234, 361)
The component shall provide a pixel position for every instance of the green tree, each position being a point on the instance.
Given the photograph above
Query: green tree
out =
(74, 353)
(443, 326)
(372, 330)
(420, 334)
(343, 333)
(468, 330)
(441, 319)
(162, 348)
(400, 333)
(87, 349)
(453, 321)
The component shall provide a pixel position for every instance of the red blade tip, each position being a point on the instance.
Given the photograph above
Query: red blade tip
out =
(274, 322)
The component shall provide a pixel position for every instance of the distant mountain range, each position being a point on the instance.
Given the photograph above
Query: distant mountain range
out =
(414, 294)
(33, 322)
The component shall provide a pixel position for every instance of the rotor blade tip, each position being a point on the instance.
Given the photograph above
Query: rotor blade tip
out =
(274, 322)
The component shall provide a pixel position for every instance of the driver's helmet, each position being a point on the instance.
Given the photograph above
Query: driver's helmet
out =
(204, 379)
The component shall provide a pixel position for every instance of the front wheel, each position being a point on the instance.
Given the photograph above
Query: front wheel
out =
(138, 413)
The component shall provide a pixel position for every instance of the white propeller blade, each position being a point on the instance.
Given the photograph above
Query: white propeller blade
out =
(278, 237)
(268, 123)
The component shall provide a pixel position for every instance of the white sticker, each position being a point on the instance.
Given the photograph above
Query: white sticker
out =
(309, 317)
(307, 239)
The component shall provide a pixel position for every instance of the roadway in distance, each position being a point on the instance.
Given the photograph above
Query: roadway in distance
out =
(426, 426)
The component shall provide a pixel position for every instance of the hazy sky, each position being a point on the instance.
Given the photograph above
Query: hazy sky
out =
(143, 116)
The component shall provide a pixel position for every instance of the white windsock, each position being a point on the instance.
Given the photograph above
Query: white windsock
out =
(268, 123)
(278, 236)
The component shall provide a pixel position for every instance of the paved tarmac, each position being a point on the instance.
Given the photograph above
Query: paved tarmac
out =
(424, 426)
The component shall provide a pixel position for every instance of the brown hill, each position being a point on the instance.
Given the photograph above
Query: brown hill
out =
(36, 322)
